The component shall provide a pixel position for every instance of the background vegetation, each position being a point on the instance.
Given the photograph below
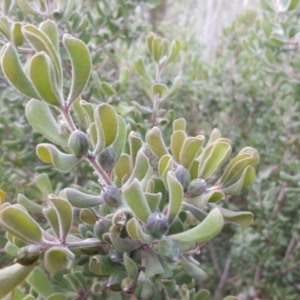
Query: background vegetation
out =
(249, 88)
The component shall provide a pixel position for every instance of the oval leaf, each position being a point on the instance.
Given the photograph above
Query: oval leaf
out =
(20, 224)
(206, 230)
(14, 73)
(81, 65)
(42, 75)
(41, 119)
(51, 155)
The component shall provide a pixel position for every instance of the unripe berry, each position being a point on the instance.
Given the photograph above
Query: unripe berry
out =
(107, 159)
(100, 227)
(78, 143)
(157, 224)
(196, 187)
(183, 176)
(112, 196)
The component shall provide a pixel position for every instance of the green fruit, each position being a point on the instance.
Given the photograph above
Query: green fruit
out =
(196, 187)
(107, 159)
(112, 196)
(115, 255)
(183, 175)
(100, 227)
(78, 143)
(28, 254)
(128, 285)
(157, 224)
(115, 280)
(168, 250)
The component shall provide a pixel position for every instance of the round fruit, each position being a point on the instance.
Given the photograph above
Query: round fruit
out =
(78, 143)
(196, 187)
(112, 196)
(183, 176)
(157, 224)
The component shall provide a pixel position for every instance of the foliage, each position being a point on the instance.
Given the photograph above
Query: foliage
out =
(251, 91)
(154, 200)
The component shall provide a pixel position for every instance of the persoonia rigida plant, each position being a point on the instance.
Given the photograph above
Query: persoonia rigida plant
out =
(154, 205)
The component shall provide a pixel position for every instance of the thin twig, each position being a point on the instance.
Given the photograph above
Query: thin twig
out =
(292, 244)
(280, 199)
(223, 278)
(290, 268)
(213, 256)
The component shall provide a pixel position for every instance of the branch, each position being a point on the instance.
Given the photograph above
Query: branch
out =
(223, 278)
(213, 256)
(292, 244)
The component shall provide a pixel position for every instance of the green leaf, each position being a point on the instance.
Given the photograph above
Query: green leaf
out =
(136, 200)
(254, 153)
(174, 88)
(12, 276)
(246, 178)
(107, 89)
(136, 232)
(165, 164)
(81, 65)
(234, 168)
(216, 158)
(123, 169)
(131, 267)
(107, 124)
(156, 143)
(14, 73)
(175, 195)
(190, 150)
(174, 51)
(29, 7)
(40, 282)
(17, 34)
(51, 155)
(142, 170)
(57, 258)
(160, 89)
(135, 144)
(240, 218)
(82, 200)
(202, 295)
(293, 4)
(123, 77)
(20, 224)
(65, 215)
(140, 68)
(102, 265)
(5, 27)
(191, 269)
(51, 215)
(124, 244)
(179, 124)
(157, 49)
(149, 40)
(41, 42)
(177, 139)
(214, 136)
(153, 200)
(152, 263)
(41, 119)
(57, 296)
(44, 184)
(30, 205)
(42, 75)
(231, 298)
(206, 230)
(50, 29)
